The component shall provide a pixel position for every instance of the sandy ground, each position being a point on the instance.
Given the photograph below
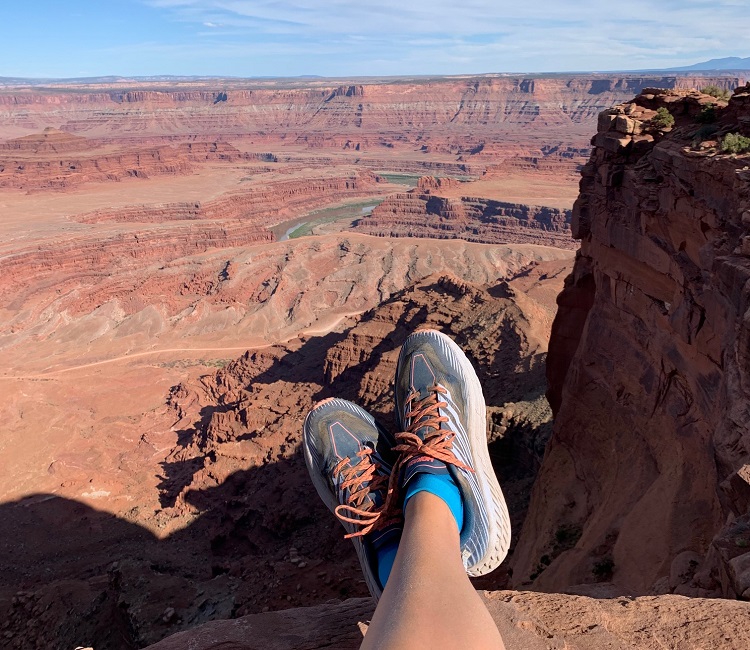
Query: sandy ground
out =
(542, 189)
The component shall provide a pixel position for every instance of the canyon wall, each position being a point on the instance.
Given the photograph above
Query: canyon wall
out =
(424, 212)
(402, 105)
(440, 116)
(54, 160)
(646, 480)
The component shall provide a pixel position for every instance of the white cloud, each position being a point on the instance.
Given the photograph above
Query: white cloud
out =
(421, 36)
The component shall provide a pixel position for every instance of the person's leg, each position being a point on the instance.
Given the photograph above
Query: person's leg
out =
(428, 601)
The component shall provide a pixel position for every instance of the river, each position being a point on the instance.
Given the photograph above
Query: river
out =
(304, 225)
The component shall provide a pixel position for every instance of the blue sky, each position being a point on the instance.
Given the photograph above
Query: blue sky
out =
(70, 38)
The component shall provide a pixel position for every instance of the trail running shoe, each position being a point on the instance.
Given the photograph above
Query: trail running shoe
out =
(441, 414)
(348, 455)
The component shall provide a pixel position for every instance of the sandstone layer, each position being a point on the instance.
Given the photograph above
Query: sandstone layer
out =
(480, 121)
(526, 620)
(35, 162)
(424, 212)
(645, 481)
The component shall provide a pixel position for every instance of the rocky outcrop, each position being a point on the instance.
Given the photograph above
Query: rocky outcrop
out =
(51, 140)
(525, 620)
(422, 212)
(645, 481)
(56, 174)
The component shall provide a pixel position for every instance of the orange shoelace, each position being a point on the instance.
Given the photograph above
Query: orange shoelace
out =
(437, 445)
(361, 479)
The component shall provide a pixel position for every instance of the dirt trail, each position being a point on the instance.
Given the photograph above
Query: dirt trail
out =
(324, 329)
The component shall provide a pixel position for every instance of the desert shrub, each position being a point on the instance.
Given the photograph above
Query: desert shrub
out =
(717, 92)
(735, 143)
(707, 115)
(663, 119)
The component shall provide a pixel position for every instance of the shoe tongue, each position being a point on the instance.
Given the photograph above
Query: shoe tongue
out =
(421, 464)
(388, 535)
(422, 432)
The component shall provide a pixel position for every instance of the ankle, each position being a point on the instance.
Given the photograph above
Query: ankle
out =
(440, 485)
(427, 508)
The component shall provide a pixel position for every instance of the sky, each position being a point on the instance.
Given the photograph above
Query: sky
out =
(339, 38)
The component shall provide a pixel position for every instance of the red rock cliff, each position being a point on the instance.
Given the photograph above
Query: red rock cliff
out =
(646, 480)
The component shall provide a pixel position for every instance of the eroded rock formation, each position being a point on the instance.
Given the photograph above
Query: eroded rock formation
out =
(645, 481)
(423, 212)
(167, 232)
(227, 531)
(33, 162)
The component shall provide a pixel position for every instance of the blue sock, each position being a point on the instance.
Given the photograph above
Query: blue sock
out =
(441, 485)
(385, 544)
(386, 558)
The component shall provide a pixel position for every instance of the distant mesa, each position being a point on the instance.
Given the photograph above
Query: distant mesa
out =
(51, 140)
(727, 63)
(436, 209)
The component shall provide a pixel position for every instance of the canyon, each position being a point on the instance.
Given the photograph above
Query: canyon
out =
(161, 340)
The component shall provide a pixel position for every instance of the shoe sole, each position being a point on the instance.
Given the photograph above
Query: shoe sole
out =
(329, 498)
(476, 425)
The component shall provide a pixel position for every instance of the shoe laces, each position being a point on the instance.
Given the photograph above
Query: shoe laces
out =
(438, 443)
(361, 480)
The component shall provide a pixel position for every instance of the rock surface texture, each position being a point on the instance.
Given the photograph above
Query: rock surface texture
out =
(526, 620)
(646, 480)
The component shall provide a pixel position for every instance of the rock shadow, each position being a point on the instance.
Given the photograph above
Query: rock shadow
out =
(71, 575)
(306, 368)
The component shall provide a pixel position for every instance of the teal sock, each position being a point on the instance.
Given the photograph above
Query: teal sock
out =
(385, 544)
(441, 485)
(386, 557)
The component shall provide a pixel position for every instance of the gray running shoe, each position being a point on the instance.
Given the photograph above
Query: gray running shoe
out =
(442, 416)
(348, 455)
